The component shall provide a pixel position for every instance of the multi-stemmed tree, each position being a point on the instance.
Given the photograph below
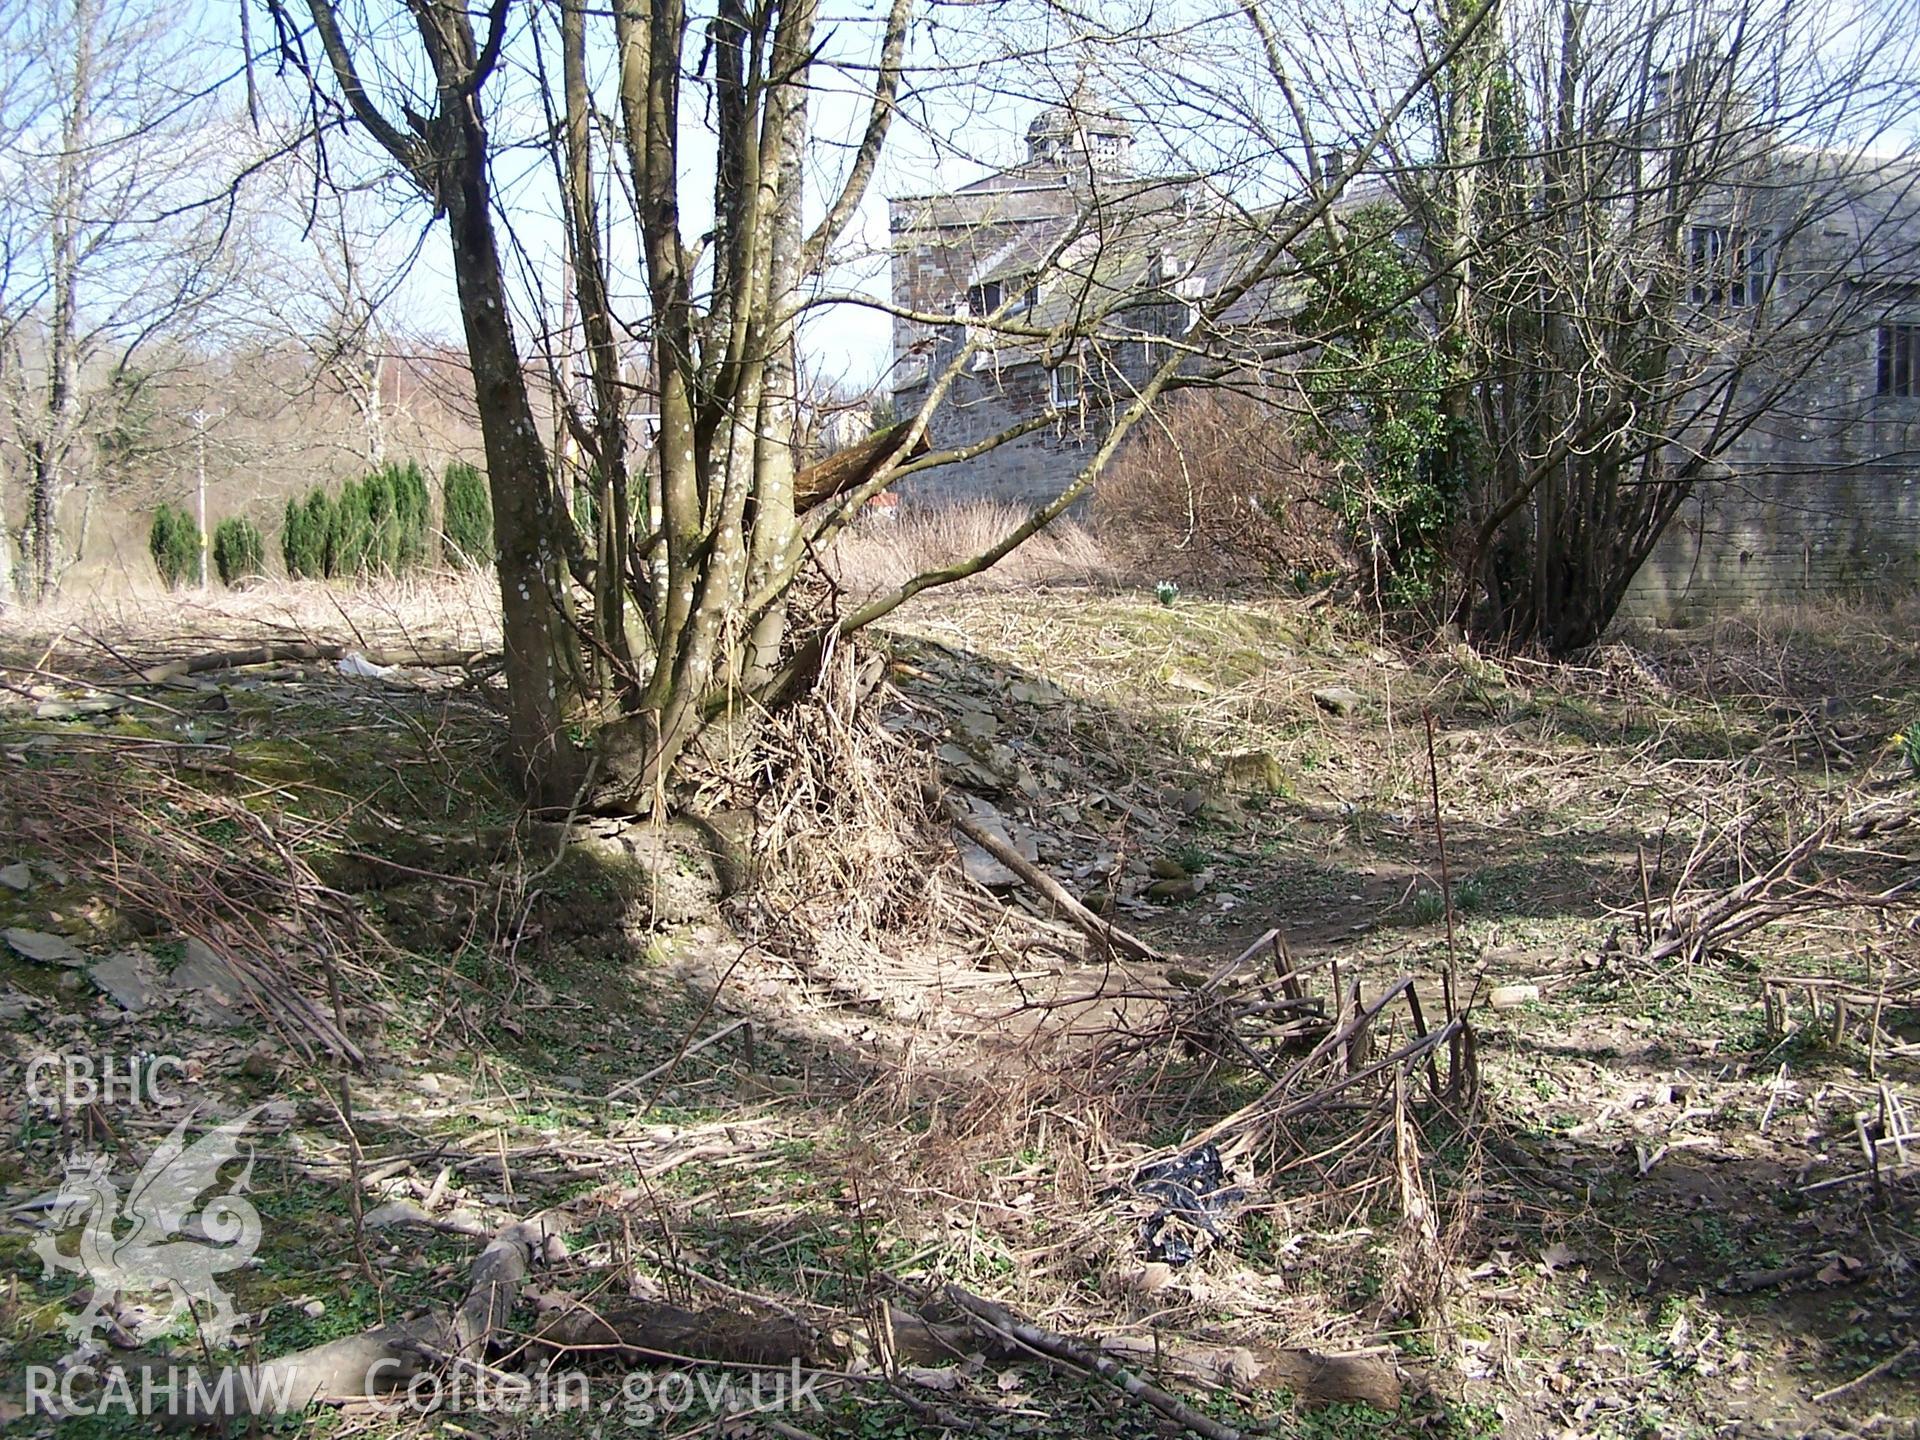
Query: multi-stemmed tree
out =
(1544, 236)
(1640, 230)
(676, 607)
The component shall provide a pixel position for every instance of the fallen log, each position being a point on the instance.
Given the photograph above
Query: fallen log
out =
(385, 1360)
(653, 1331)
(1309, 1375)
(996, 1322)
(1312, 1376)
(643, 1329)
(375, 1362)
(494, 1289)
(415, 655)
(1318, 1379)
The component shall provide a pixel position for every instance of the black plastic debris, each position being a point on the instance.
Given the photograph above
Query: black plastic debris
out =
(1194, 1197)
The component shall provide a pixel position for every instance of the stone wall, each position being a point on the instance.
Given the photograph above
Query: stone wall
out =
(1823, 499)
(1026, 471)
(1737, 544)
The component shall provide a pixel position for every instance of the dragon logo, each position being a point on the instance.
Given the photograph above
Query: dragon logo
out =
(132, 1249)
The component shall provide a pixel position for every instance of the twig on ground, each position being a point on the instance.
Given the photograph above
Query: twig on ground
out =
(1911, 1347)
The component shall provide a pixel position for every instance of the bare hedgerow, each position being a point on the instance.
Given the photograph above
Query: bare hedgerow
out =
(1213, 486)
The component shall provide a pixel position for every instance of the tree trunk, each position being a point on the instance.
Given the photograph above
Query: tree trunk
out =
(52, 449)
(773, 525)
(541, 655)
(614, 663)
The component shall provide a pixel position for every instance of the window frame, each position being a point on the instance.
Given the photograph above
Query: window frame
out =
(1897, 360)
(977, 298)
(1068, 398)
(1730, 266)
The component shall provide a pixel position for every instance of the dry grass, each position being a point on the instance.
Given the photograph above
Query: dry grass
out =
(881, 554)
(930, 1111)
(1846, 650)
(462, 608)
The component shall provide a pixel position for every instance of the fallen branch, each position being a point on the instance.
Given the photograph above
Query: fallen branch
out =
(275, 654)
(1777, 889)
(1097, 928)
(1313, 1377)
(1882, 1368)
(729, 1335)
(651, 1331)
(385, 1359)
(996, 1321)
(851, 467)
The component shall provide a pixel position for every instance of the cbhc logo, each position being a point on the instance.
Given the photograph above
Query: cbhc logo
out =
(77, 1080)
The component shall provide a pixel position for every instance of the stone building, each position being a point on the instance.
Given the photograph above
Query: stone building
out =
(1076, 213)
(1821, 495)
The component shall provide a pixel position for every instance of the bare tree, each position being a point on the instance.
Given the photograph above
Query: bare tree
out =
(112, 245)
(332, 270)
(1647, 228)
(686, 579)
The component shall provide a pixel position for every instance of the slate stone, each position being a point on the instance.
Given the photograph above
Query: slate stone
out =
(981, 867)
(975, 723)
(211, 987)
(984, 870)
(1338, 700)
(16, 876)
(127, 980)
(47, 949)
(1043, 693)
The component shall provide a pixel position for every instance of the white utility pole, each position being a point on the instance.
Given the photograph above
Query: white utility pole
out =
(199, 418)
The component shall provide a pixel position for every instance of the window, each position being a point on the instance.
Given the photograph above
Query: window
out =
(985, 298)
(1063, 386)
(1729, 266)
(989, 295)
(1899, 368)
